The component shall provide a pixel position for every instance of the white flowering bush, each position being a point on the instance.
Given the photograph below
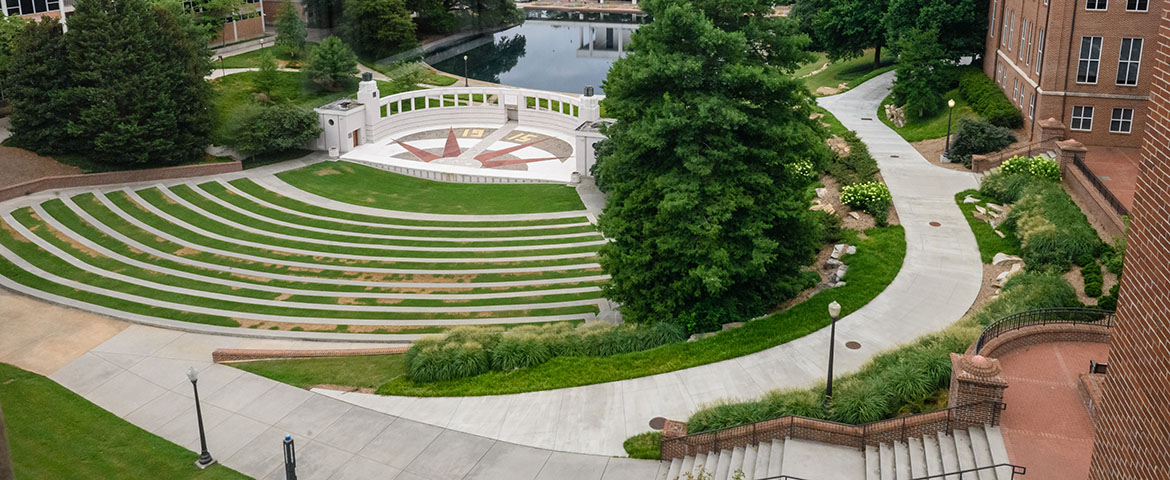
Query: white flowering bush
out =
(1039, 167)
(1016, 164)
(872, 197)
(802, 169)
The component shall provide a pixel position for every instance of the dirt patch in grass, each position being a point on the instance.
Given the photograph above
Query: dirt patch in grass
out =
(12, 233)
(283, 296)
(326, 171)
(185, 251)
(74, 243)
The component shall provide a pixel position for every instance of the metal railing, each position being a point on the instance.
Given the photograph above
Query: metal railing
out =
(1016, 470)
(1118, 207)
(1044, 316)
(857, 436)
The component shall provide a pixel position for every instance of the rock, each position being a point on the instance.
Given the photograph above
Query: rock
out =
(822, 192)
(731, 325)
(832, 263)
(838, 145)
(841, 271)
(1002, 258)
(837, 249)
(979, 216)
(970, 199)
(816, 115)
(996, 207)
(994, 224)
(837, 284)
(981, 209)
(700, 336)
(1016, 268)
(829, 209)
(1001, 235)
(855, 215)
(852, 249)
(1002, 278)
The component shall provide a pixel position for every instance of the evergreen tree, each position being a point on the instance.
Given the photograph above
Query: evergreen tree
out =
(922, 73)
(290, 29)
(186, 59)
(433, 16)
(35, 83)
(377, 28)
(331, 64)
(705, 208)
(10, 27)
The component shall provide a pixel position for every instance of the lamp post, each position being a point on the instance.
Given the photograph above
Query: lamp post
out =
(465, 81)
(950, 110)
(221, 68)
(834, 311)
(205, 459)
(290, 459)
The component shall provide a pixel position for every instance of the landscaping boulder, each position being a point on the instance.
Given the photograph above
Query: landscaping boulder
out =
(1003, 258)
(838, 249)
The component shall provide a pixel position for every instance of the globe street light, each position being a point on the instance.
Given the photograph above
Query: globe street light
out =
(205, 459)
(834, 312)
(465, 84)
(950, 109)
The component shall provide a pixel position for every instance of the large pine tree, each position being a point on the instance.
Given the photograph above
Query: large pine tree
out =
(705, 210)
(36, 83)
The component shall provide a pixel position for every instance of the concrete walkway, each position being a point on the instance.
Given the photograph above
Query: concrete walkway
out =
(939, 281)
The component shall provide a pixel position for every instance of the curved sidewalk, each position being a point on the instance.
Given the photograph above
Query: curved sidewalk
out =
(939, 281)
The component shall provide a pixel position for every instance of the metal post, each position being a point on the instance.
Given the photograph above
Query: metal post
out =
(465, 80)
(950, 110)
(221, 67)
(832, 341)
(205, 459)
(290, 459)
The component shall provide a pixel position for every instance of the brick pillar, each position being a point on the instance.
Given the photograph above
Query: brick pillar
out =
(1051, 129)
(980, 163)
(975, 378)
(1066, 150)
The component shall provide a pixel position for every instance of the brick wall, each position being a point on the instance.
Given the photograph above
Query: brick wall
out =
(1132, 439)
(130, 176)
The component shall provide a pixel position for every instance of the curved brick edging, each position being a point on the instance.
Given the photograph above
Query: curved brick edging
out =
(223, 355)
(108, 178)
(1039, 334)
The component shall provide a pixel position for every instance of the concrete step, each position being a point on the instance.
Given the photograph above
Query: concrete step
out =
(950, 457)
(873, 463)
(724, 464)
(673, 470)
(776, 459)
(934, 460)
(687, 464)
(901, 461)
(749, 462)
(763, 455)
(982, 452)
(963, 448)
(700, 463)
(886, 452)
(822, 461)
(999, 452)
(917, 457)
(737, 460)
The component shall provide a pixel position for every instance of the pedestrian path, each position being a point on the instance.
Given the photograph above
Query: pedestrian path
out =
(937, 284)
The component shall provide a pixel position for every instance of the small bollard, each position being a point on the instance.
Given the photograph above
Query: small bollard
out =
(290, 459)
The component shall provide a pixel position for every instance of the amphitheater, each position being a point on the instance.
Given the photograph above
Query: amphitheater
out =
(258, 256)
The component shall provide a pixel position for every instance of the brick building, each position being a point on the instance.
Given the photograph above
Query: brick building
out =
(247, 22)
(1078, 61)
(34, 9)
(1132, 438)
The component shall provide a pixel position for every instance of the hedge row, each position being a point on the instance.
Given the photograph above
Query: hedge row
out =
(470, 351)
(987, 100)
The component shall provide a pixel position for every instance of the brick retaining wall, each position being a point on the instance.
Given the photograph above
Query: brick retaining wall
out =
(1035, 335)
(107, 178)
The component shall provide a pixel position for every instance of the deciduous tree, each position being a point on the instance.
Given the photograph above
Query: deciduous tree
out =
(377, 28)
(705, 210)
(846, 28)
(963, 24)
(290, 29)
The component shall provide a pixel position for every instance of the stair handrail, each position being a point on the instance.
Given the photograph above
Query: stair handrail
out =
(950, 417)
(1016, 470)
(1044, 316)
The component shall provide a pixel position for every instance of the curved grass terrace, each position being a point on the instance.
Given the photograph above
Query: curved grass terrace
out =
(211, 254)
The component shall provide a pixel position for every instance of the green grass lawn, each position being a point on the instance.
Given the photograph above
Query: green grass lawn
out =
(835, 127)
(989, 243)
(877, 262)
(851, 72)
(919, 129)
(56, 434)
(360, 371)
(366, 186)
(252, 59)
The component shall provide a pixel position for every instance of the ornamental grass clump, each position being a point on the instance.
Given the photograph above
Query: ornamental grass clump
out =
(470, 351)
(1052, 229)
(872, 197)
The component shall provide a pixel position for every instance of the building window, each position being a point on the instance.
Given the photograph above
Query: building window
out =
(1023, 38)
(1003, 38)
(1039, 51)
(994, 6)
(1016, 92)
(1096, 4)
(1032, 106)
(1082, 118)
(29, 7)
(1129, 61)
(1090, 60)
(1028, 55)
(1122, 120)
(1137, 5)
(1011, 29)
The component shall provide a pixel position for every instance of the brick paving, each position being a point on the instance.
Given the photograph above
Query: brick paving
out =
(1046, 426)
(1117, 167)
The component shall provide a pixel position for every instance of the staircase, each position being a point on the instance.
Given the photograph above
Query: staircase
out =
(919, 457)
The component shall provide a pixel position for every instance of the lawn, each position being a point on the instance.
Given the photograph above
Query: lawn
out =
(989, 243)
(252, 59)
(358, 371)
(877, 262)
(56, 434)
(366, 186)
(851, 72)
(835, 127)
(919, 129)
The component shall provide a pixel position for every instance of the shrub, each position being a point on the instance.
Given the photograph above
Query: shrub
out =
(1028, 291)
(975, 137)
(1093, 289)
(1107, 302)
(873, 197)
(1051, 228)
(519, 351)
(1085, 260)
(1005, 188)
(448, 361)
(857, 167)
(987, 100)
(829, 226)
(274, 128)
(646, 446)
(1038, 166)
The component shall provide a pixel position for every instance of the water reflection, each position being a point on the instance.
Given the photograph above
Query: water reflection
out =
(560, 51)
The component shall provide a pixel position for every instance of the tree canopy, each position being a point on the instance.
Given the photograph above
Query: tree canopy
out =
(331, 63)
(291, 31)
(923, 73)
(36, 83)
(705, 208)
(962, 22)
(846, 28)
(377, 28)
